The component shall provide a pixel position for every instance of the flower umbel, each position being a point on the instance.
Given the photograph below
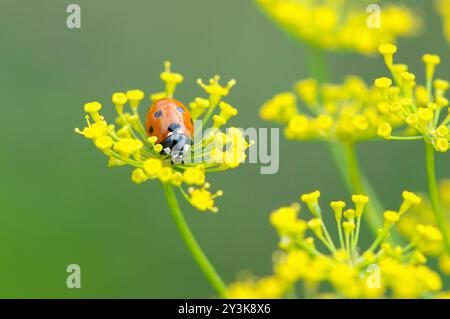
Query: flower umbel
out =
(341, 25)
(422, 109)
(126, 143)
(347, 112)
(423, 214)
(303, 269)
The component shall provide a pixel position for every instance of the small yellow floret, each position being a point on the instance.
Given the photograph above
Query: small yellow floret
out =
(135, 96)
(388, 51)
(429, 233)
(138, 176)
(104, 143)
(194, 176)
(383, 83)
(348, 226)
(202, 198)
(391, 217)
(165, 174)
(442, 145)
(337, 207)
(425, 114)
(385, 130)
(92, 107)
(153, 166)
(119, 98)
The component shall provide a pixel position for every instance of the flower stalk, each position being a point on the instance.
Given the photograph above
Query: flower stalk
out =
(345, 156)
(357, 187)
(434, 195)
(191, 243)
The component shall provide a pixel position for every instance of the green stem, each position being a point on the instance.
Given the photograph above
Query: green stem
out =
(317, 63)
(191, 243)
(372, 213)
(358, 228)
(341, 238)
(346, 160)
(434, 195)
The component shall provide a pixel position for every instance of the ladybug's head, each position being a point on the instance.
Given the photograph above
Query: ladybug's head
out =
(176, 145)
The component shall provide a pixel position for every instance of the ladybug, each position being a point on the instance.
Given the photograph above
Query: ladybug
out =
(170, 121)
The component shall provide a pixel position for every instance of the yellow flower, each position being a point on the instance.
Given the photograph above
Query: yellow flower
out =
(409, 200)
(337, 207)
(344, 268)
(153, 166)
(341, 25)
(385, 130)
(138, 176)
(134, 97)
(349, 227)
(126, 142)
(422, 213)
(312, 202)
(104, 143)
(171, 79)
(391, 217)
(388, 50)
(441, 145)
(416, 107)
(194, 176)
(93, 109)
(202, 198)
(429, 233)
(360, 202)
(281, 108)
(227, 111)
(348, 112)
(127, 146)
(285, 221)
(383, 83)
(119, 99)
(165, 174)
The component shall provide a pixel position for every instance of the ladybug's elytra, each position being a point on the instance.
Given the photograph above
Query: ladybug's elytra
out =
(170, 121)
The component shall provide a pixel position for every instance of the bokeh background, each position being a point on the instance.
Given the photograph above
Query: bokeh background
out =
(60, 204)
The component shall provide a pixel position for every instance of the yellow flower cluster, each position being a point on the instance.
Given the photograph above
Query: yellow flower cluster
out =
(303, 269)
(343, 24)
(126, 141)
(443, 7)
(423, 213)
(348, 112)
(423, 109)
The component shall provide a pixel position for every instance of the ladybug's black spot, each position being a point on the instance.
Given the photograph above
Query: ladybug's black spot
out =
(180, 109)
(173, 127)
(192, 122)
(158, 114)
(150, 130)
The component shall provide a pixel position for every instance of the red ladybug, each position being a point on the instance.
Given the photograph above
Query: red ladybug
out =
(170, 121)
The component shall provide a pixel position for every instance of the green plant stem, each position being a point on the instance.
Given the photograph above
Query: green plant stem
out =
(434, 195)
(317, 63)
(345, 158)
(372, 214)
(192, 244)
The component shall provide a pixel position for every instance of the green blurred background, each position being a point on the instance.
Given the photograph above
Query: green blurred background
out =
(59, 202)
